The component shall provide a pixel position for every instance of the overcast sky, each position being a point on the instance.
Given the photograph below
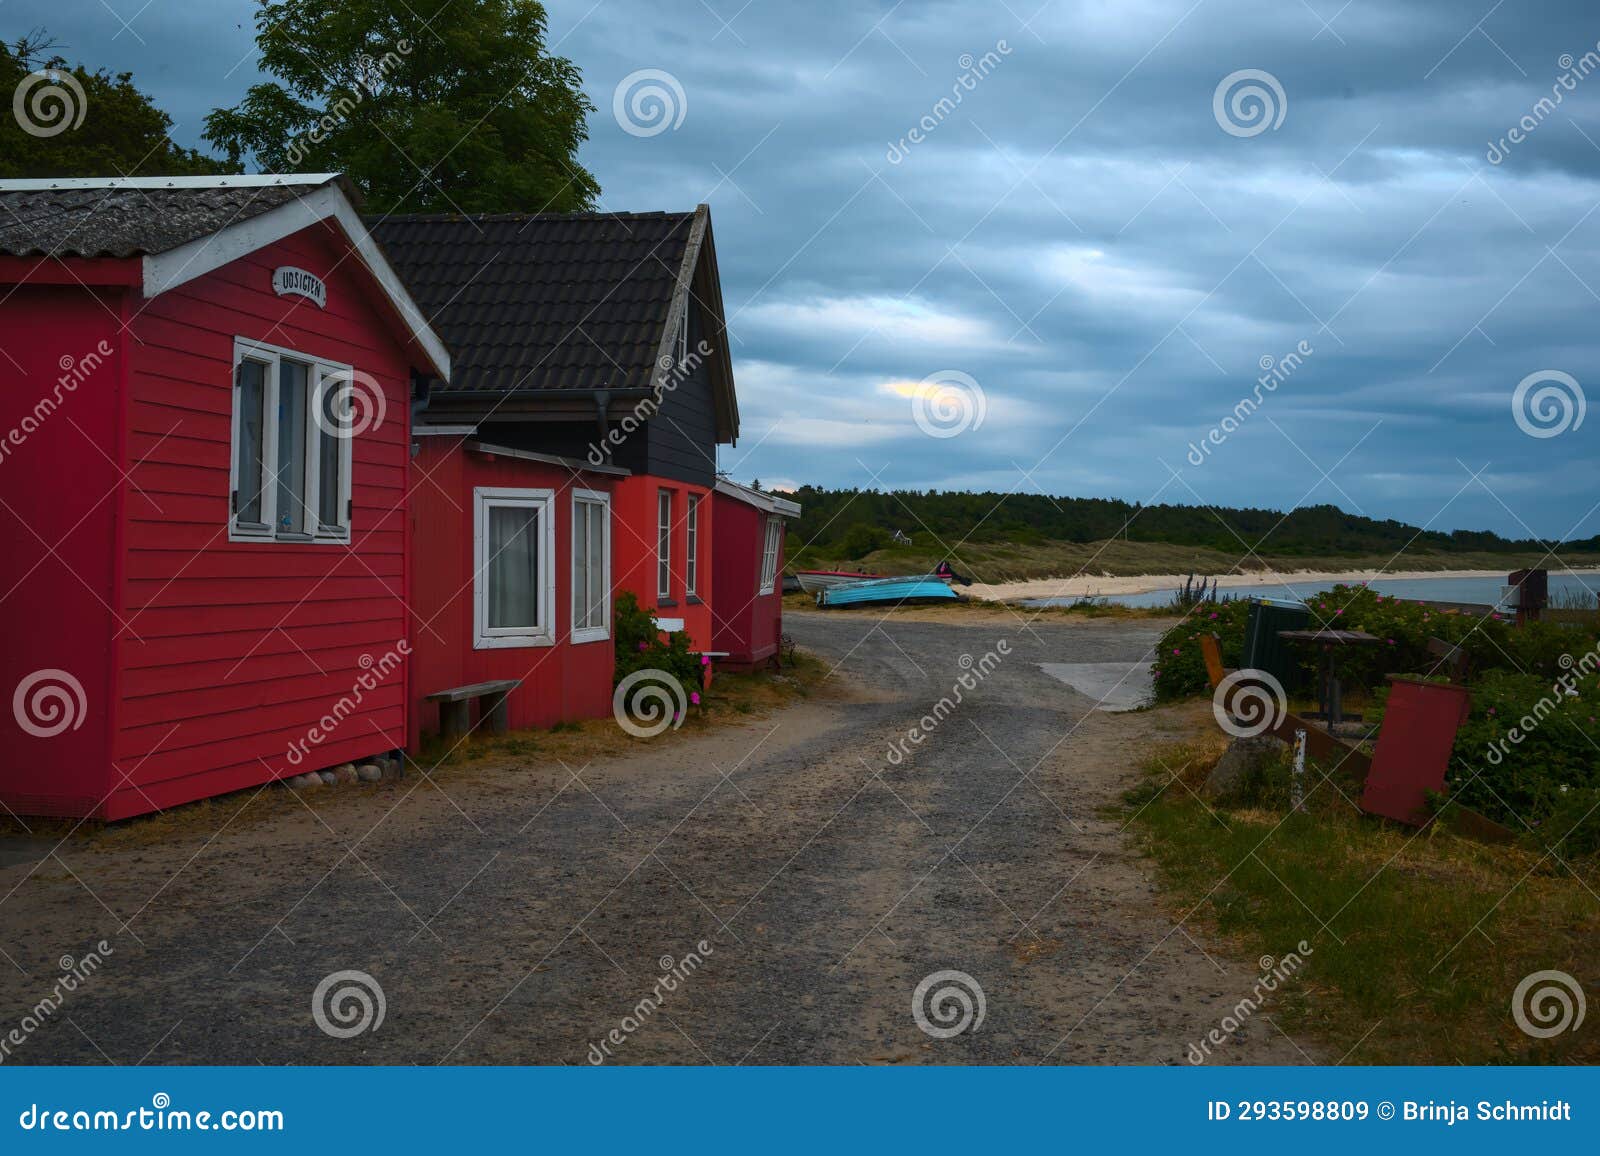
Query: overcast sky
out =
(1091, 251)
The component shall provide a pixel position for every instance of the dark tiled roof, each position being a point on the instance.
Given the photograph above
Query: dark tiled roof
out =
(543, 301)
(126, 219)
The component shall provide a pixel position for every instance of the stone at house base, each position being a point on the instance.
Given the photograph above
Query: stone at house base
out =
(1243, 758)
(369, 773)
(345, 773)
(393, 769)
(328, 777)
(304, 782)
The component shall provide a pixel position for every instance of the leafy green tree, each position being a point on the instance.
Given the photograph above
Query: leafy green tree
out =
(73, 122)
(428, 105)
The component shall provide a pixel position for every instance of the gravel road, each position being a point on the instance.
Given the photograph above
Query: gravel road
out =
(524, 915)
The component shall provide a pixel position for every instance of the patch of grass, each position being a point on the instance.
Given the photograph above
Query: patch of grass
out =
(1418, 939)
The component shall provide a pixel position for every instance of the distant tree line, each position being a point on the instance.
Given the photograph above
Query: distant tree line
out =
(851, 523)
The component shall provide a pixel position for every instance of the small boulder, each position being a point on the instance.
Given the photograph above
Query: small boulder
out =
(305, 782)
(369, 773)
(1244, 760)
(328, 777)
(394, 770)
(345, 773)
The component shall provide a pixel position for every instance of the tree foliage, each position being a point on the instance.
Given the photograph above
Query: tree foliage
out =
(120, 133)
(831, 516)
(428, 105)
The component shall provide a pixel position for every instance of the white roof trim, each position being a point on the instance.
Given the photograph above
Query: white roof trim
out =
(771, 503)
(259, 180)
(423, 430)
(163, 271)
(572, 464)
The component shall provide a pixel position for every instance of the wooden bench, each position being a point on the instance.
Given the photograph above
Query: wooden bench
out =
(491, 698)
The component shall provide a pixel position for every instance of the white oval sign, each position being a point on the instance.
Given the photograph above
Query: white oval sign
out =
(288, 281)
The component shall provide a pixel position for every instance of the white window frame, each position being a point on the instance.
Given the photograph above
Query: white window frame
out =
(767, 582)
(580, 499)
(663, 544)
(691, 550)
(485, 637)
(314, 533)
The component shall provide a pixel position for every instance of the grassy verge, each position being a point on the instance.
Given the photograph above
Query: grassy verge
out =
(1419, 939)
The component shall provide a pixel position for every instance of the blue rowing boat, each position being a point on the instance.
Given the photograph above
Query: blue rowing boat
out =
(916, 587)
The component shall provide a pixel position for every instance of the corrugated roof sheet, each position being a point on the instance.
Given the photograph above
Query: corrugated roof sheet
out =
(543, 301)
(127, 219)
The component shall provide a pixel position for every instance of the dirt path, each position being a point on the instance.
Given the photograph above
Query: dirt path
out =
(520, 915)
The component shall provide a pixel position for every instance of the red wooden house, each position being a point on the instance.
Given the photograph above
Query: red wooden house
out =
(205, 400)
(591, 388)
(747, 573)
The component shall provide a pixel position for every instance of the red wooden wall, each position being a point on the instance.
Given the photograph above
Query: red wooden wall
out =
(60, 493)
(234, 649)
(745, 624)
(634, 551)
(562, 681)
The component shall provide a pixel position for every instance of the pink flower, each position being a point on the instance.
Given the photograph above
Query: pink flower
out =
(694, 697)
(1213, 614)
(644, 646)
(1177, 650)
(704, 660)
(1493, 711)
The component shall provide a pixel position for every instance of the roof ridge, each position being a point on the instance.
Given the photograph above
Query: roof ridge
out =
(651, 214)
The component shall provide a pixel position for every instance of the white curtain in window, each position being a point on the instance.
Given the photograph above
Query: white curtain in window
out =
(513, 567)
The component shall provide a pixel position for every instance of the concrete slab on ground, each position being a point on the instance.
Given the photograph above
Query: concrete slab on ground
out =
(1114, 686)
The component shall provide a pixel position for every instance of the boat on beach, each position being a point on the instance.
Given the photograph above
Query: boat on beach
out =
(811, 581)
(910, 588)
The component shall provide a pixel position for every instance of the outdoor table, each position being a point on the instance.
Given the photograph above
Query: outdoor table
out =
(1329, 694)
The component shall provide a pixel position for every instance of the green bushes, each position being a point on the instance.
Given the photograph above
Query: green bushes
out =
(1530, 751)
(639, 647)
(861, 539)
(1179, 670)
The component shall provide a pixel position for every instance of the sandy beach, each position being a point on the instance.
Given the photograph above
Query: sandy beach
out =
(1103, 585)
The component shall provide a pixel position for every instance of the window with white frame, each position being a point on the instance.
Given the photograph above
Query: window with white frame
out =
(591, 566)
(691, 550)
(290, 469)
(664, 544)
(769, 555)
(513, 568)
